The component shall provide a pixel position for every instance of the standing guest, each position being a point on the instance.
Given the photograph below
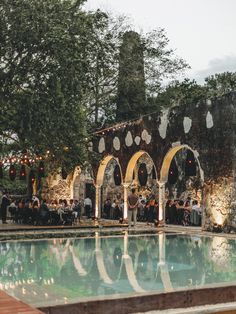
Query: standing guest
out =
(118, 211)
(133, 201)
(112, 211)
(187, 211)
(77, 211)
(44, 212)
(195, 215)
(35, 213)
(71, 205)
(180, 212)
(151, 208)
(5, 203)
(88, 207)
(12, 210)
(168, 212)
(121, 210)
(107, 209)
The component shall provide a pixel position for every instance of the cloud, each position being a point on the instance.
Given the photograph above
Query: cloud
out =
(217, 65)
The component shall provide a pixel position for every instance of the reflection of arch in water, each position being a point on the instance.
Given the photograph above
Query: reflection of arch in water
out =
(96, 258)
(126, 266)
(165, 170)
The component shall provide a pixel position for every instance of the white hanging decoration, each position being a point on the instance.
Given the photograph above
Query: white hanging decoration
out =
(209, 120)
(137, 140)
(146, 137)
(101, 145)
(129, 139)
(187, 124)
(164, 123)
(116, 143)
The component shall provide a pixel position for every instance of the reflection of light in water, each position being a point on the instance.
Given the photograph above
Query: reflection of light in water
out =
(219, 252)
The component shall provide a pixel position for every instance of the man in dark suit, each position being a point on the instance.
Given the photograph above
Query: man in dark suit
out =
(5, 203)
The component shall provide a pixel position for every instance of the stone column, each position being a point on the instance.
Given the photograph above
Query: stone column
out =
(161, 217)
(98, 202)
(125, 214)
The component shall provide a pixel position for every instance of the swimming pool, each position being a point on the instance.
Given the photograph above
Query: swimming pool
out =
(61, 271)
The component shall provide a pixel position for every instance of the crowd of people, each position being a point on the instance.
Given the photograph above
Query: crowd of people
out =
(140, 208)
(180, 212)
(145, 208)
(41, 212)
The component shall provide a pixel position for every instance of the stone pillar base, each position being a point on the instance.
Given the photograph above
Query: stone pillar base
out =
(161, 223)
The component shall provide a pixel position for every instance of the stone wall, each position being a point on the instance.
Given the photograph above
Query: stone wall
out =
(208, 128)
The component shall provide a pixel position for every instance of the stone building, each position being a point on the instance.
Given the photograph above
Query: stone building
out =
(207, 129)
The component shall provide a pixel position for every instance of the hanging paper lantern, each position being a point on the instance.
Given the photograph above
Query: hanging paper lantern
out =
(27, 162)
(142, 174)
(117, 175)
(173, 172)
(1, 171)
(63, 173)
(32, 176)
(190, 165)
(41, 169)
(12, 172)
(154, 175)
(22, 173)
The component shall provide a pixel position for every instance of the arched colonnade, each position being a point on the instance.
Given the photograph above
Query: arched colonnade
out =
(127, 178)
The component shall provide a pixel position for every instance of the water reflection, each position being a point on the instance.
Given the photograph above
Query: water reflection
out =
(68, 270)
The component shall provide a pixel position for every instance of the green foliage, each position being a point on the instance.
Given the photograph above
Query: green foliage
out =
(188, 91)
(16, 187)
(220, 84)
(160, 61)
(178, 93)
(44, 55)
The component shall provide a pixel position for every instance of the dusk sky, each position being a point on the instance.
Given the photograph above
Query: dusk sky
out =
(201, 31)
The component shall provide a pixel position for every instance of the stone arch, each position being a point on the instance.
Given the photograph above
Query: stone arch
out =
(129, 176)
(170, 155)
(164, 175)
(132, 163)
(102, 168)
(100, 179)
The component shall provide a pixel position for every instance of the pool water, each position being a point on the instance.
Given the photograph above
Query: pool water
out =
(58, 271)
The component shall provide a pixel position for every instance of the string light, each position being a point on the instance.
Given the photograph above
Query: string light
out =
(22, 159)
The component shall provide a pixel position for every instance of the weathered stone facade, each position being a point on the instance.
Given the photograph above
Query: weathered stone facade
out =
(207, 128)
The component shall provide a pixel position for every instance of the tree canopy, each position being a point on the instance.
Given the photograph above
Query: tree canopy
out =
(44, 66)
(189, 91)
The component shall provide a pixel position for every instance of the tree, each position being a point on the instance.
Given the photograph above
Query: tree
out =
(188, 91)
(44, 66)
(103, 75)
(220, 84)
(176, 93)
